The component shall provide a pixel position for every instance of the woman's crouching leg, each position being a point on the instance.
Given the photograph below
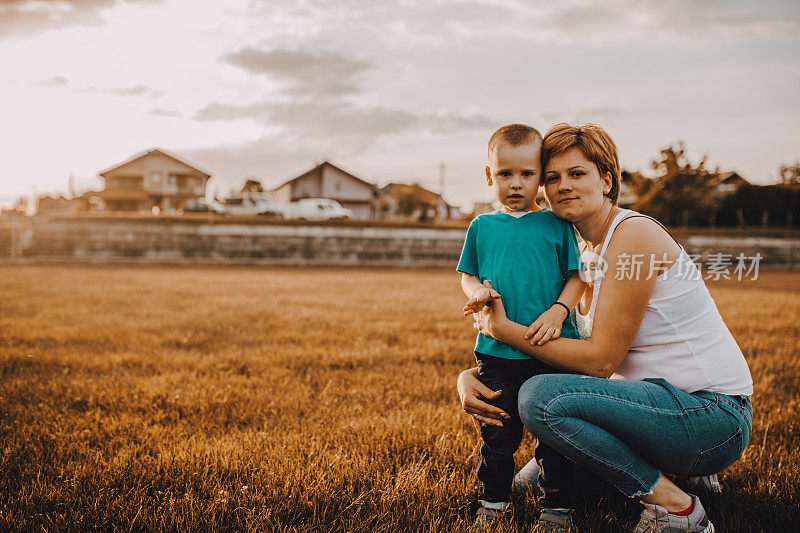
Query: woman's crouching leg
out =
(552, 407)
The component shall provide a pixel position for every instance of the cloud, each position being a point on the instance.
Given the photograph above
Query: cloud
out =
(447, 121)
(676, 21)
(323, 74)
(138, 90)
(586, 23)
(317, 103)
(158, 112)
(271, 158)
(35, 16)
(342, 123)
(55, 81)
(315, 118)
(584, 114)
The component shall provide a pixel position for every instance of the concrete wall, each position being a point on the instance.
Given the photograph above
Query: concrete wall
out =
(155, 240)
(166, 241)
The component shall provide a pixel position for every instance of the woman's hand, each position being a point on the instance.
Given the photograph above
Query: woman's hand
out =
(472, 393)
(487, 318)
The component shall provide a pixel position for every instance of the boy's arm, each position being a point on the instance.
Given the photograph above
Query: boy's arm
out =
(548, 325)
(572, 292)
(478, 294)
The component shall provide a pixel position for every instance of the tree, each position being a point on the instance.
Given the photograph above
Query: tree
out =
(414, 201)
(410, 200)
(681, 193)
(252, 185)
(790, 174)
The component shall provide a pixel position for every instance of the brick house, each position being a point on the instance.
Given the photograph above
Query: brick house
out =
(151, 179)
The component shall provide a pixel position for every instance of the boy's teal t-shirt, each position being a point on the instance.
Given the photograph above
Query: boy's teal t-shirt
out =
(527, 259)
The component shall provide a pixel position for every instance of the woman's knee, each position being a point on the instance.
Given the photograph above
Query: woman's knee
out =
(537, 395)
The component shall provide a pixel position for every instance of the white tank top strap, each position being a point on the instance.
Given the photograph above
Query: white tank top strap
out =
(584, 322)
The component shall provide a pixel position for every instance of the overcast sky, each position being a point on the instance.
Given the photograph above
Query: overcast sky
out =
(387, 90)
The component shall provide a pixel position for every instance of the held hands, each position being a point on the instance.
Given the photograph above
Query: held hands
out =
(548, 326)
(480, 299)
(490, 316)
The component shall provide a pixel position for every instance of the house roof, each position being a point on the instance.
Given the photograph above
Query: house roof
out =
(149, 152)
(729, 177)
(319, 168)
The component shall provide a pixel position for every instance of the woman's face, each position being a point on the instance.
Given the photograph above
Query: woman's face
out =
(574, 186)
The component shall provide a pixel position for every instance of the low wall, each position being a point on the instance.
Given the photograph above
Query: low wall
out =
(175, 241)
(169, 241)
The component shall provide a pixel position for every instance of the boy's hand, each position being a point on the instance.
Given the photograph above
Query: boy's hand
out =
(479, 300)
(548, 326)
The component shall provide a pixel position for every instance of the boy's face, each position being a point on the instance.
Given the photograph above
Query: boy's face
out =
(514, 173)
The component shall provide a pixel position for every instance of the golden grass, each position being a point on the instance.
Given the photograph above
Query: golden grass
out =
(196, 398)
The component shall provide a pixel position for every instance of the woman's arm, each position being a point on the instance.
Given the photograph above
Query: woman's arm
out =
(620, 308)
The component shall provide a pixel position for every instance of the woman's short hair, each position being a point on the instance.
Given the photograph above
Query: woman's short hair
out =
(595, 145)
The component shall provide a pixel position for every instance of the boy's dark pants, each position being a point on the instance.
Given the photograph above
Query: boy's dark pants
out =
(496, 468)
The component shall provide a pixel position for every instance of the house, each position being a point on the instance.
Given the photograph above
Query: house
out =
(54, 205)
(151, 181)
(326, 180)
(401, 199)
(252, 185)
(479, 208)
(726, 183)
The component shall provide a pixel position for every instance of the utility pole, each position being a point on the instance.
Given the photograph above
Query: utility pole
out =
(33, 207)
(441, 188)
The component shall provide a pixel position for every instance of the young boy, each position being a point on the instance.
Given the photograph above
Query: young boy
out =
(531, 258)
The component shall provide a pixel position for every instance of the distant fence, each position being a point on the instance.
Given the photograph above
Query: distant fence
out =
(175, 241)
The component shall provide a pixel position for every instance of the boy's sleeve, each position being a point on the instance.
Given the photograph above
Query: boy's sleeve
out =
(469, 254)
(569, 256)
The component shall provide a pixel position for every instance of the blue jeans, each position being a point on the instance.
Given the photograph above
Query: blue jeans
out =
(628, 432)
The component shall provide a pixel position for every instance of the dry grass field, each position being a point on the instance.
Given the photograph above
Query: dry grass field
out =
(244, 398)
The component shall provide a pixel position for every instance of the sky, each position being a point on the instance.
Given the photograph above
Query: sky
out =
(387, 90)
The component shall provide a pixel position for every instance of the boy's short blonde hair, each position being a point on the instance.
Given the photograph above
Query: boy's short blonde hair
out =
(514, 135)
(595, 145)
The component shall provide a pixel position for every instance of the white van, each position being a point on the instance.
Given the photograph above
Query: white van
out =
(252, 203)
(317, 209)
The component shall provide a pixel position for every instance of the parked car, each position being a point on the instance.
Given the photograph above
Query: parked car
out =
(317, 209)
(200, 205)
(255, 203)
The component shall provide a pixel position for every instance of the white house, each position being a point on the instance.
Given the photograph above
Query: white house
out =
(326, 180)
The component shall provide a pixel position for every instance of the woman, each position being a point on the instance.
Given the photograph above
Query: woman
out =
(681, 402)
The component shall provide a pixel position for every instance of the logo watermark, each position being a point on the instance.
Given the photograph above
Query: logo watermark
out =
(712, 267)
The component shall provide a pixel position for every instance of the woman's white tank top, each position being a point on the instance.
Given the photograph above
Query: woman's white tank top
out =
(682, 338)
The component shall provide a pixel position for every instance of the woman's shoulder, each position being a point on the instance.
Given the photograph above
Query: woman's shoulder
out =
(640, 233)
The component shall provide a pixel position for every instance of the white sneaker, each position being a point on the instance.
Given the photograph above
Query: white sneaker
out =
(527, 479)
(554, 521)
(488, 516)
(656, 519)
